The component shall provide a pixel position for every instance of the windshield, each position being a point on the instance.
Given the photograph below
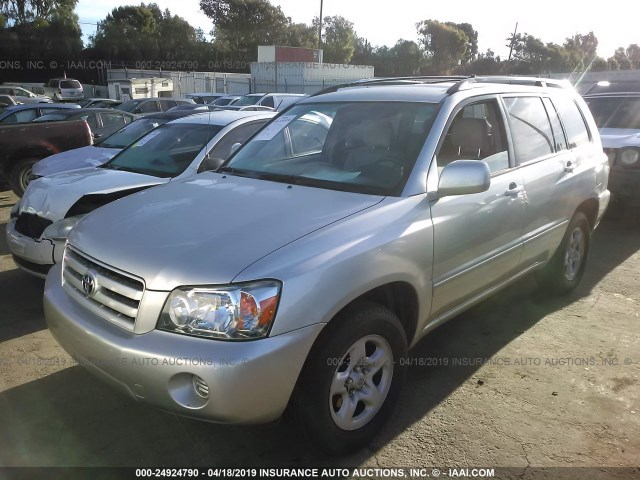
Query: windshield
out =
(247, 100)
(615, 112)
(356, 146)
(129, 134)
(165, 152)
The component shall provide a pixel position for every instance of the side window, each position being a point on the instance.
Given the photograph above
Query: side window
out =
(6, 91)
(112, 119)
(476, 133)
(268, 102)
(530, 128)
(573, 121)
(556, 126)
(147, 107)
(240, 134)
(91, 120)
(21, 116)
(167, 104)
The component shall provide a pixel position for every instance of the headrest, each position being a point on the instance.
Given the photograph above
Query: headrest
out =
(469, 134)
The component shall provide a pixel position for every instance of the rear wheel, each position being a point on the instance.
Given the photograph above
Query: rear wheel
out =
(20, 175)
(352, 379)
(565, 269)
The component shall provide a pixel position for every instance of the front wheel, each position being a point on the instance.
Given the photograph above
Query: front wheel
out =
(565, 269)
(352, 379)
(20, 175)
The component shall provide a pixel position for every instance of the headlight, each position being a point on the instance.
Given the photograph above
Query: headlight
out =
(629, 156)
(60, 230)
(232, 312)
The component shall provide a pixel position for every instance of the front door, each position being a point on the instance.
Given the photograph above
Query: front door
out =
(477, 237)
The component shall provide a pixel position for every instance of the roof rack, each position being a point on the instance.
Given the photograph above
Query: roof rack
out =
(508, 80)
(395, 81)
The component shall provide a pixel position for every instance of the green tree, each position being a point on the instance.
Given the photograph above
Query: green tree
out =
(301, 35)
(409, 59)
(581, 50)
(445, 46)
(338, 39)
(240, 26)
(472, 41)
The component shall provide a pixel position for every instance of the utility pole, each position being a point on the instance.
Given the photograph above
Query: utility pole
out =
(320, 28)
(512, 40)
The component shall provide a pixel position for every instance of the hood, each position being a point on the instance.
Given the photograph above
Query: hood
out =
(207, 228)
(51, 197)
(619, 137)
(75, 159)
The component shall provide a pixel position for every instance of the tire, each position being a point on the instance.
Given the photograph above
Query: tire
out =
(370, 393)
(20, 175)
(565, 269)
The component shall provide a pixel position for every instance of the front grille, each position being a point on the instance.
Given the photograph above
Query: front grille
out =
(31, 225)
(115, 296)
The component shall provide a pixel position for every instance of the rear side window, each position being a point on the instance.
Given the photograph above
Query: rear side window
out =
(112, 119)
(147, 107)
(268, 102)
(556, 126)
(530, 128)
(21, 116)
(240, 134)
(573, 121)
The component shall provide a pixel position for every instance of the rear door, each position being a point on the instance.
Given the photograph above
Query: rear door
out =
(543, 157)
(477, 237)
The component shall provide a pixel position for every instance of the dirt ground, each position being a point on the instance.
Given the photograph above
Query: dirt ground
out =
(521, 380)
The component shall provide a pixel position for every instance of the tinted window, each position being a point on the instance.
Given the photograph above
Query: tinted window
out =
(147, 107)
(129, 106)
(240, 134)
(166, 151)
(125, 136)
(112, 119)
(70, 84)
(21, 116)
(530, 128)
(167, 104)
(574, 126)
(51, 117)
(476, 133)
(616, 112)
(556, 126)
(6, 91)
(91, 120)
(268, 102)
(247, 100)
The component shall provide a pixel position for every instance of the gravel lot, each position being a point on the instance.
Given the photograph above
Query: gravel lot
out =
(521, 380)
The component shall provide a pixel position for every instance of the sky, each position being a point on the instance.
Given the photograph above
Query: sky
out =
(383, 22)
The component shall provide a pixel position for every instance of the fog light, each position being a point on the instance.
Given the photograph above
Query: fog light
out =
(200, 386)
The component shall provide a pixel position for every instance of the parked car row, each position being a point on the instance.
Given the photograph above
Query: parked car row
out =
(308, 249)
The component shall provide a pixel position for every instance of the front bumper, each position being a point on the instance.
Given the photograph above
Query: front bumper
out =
(34, 256)
(624, 184)
(248, 382)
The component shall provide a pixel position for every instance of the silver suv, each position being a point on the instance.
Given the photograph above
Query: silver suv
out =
(351, 225)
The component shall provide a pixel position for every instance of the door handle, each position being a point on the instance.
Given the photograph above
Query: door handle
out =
(514, 190)
(569, 167)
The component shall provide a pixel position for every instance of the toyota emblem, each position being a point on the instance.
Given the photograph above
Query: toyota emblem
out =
(89, 283)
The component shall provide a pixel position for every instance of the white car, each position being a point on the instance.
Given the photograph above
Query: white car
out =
(64, 89)
(22, 95)
(52, 205)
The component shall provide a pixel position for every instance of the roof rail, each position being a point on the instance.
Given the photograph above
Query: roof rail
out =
(394, 81)
(506, 79)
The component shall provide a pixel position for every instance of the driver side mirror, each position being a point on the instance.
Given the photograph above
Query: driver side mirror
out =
(210, 164)
(463, 177)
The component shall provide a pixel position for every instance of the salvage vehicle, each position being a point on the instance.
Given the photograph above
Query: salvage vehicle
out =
(28, 113)
(64, 89)
(297, 274)
(616, 111)
(104, 149)
(22, 145)
(102, 121)
(53, 205)
(22, 95)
